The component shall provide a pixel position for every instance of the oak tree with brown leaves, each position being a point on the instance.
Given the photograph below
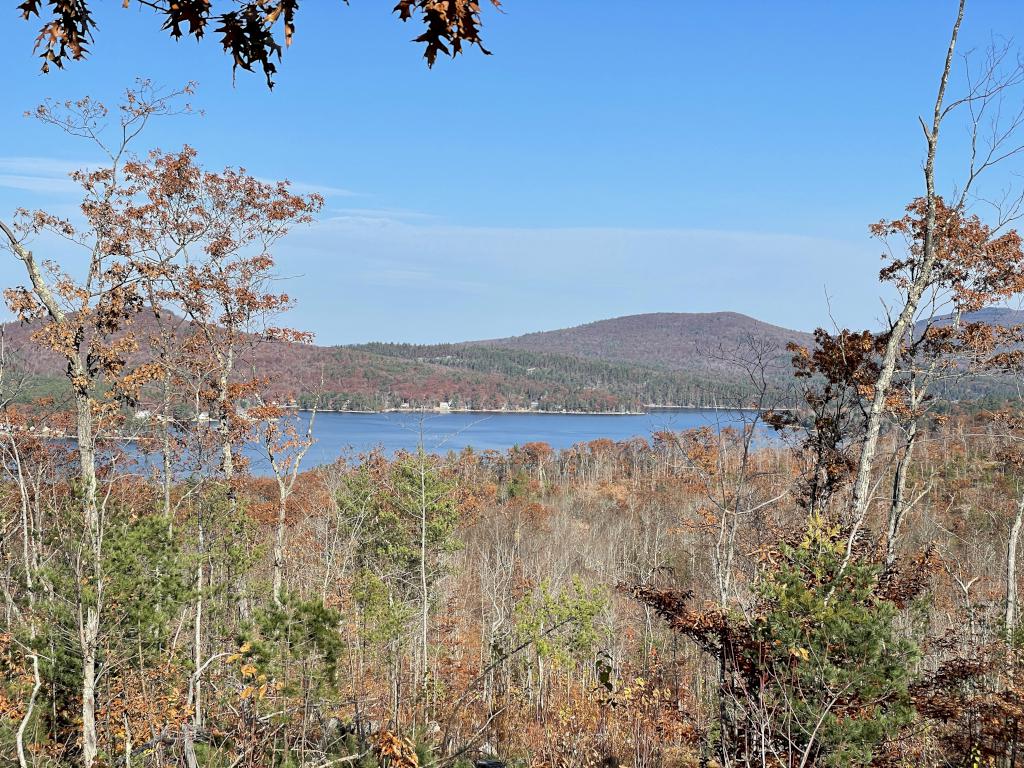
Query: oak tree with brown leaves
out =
(88, 322)
(250, 31)
(159, 234)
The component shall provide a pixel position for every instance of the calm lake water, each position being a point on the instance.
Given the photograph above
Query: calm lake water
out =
(348, 434)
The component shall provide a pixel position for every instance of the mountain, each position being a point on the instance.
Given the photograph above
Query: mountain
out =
(621, 364)
(660, 358)
(1003, 316)
(626, 363)
(674, 340)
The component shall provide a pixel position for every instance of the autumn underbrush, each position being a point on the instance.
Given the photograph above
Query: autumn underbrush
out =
(601, 606)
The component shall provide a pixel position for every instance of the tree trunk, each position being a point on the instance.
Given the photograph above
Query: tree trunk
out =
(168, 468)
(92, 581)
(223, 422)
(898, 507)
(27, 718)
(424, 585)
(228, 461)
(90, 596)
(279, 548)
(197, 640)
(904, 321)
(1010, 616)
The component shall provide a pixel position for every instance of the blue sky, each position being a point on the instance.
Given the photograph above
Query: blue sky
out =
(610, 158)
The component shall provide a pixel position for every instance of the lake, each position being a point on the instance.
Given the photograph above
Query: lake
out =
(353, 433)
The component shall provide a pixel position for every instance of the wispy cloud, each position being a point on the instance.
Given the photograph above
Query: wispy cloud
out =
(44, 175)
(48, 175)
(403, 275)
(41, 166)
(311, 188)
(355, 218)
(399, 275)
(36, 184)
(392, 276)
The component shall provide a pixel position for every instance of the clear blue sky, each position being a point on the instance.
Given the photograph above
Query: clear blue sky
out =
(610, 158)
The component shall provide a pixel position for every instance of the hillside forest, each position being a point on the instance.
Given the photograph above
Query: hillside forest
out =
(834, 583)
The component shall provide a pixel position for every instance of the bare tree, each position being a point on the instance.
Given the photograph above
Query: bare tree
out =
(933, 259)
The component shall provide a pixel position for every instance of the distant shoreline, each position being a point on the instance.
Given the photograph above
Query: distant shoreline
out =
(521, 411)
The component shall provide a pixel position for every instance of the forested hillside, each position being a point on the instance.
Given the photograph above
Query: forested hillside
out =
(677, 340)
(578, 383)
(721, 359)
(381, 376)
